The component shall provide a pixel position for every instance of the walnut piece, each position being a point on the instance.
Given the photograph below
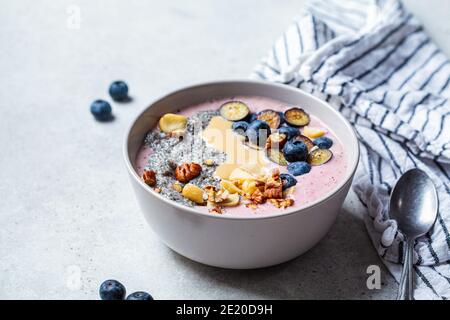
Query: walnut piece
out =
(257, 197)
(211, 192)
(216, 209)
(187, 171)
(282, 203)
(251, 205)
(274, 186)
(149, 177)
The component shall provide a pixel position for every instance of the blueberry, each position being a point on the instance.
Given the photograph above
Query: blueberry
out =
(298, 168)
(257, 132)
(112, 290)
(101, 110)
(140, 295)
(118, 90)
(287, 180)
(323, 142)
(295, 150)
(282, 119)
(252, 117)
(290, 132)
(240, 127)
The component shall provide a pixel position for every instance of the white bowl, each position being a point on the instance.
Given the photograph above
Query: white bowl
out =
(234, 242)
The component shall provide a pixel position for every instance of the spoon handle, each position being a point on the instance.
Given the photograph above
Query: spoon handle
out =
(405, 290)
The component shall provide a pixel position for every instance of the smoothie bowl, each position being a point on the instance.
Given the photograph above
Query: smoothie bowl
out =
(240, 174)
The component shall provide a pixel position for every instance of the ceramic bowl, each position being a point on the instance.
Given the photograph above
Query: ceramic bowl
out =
(235, 242)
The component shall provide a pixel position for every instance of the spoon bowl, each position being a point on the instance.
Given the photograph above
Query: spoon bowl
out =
(414, 205)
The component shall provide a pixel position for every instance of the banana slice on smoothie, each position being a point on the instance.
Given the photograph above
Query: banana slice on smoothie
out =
(231, 201)
(272, 118)
(318, 156)
(241, 175)
(234, 110)
(296, 117)
(250, 186)
(171, 122)
(276, 141)
(313, 133)
(193, 193)
(254, 169)
(276, 156)
(230, 186)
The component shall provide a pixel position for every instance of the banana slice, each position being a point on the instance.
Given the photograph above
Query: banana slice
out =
(318, 157)
(253, 168)
(271, 117)
(240, 175)
(313, 133)
(234, 110)
(276, 156)
(250, 186)
(296, 117)
(276, 141)
(193, 193)
(170, 122)
(230, 187)
(232, 200)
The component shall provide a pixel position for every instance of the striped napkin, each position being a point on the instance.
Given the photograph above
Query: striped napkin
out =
(373, 62)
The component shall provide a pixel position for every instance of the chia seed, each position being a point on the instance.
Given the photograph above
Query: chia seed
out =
(168, 151)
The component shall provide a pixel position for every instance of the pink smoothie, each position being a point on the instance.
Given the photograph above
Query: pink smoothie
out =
(310, 187)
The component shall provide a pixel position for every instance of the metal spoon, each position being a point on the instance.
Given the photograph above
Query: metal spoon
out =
(414, 205)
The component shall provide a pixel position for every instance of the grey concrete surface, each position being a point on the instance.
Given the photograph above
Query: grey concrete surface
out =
(68, 218)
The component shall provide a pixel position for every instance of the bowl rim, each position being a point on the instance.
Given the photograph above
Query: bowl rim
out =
(286, 212)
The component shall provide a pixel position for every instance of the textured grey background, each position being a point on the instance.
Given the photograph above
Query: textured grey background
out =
(65, 200)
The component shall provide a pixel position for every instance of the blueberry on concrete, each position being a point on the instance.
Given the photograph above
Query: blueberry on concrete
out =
(140, 295)
(112, 290)
(101, 110)
(298, 168)
(287, 180)
(118, 90)
(323, 142)
(295, 150)
(257, 132)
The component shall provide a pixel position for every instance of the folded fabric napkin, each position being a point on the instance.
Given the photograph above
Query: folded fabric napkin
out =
(373, 62)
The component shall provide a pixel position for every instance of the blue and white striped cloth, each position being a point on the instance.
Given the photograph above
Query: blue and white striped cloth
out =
(373, 62)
